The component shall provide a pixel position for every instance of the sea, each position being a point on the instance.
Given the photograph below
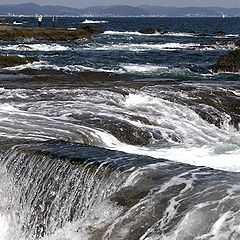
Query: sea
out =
(145, 146)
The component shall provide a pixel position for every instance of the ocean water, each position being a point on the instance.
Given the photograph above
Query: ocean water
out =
(123, 136)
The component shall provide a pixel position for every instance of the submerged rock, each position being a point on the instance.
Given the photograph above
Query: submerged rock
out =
(152, 31)
(54, 34)
(229, 62)
(12, 61)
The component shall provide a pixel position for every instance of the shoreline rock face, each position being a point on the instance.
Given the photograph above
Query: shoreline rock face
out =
(230, 62)
(152, 31)
(8, 33)
(13, 61)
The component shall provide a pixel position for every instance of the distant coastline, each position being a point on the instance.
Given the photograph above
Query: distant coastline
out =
(31, 9)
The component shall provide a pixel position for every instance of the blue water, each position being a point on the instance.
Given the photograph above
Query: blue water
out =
(188, 51)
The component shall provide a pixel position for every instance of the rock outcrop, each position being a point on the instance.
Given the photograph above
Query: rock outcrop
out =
(8, 33)
(12, 61)
(152, 31)
(229, 62)
(220, 33)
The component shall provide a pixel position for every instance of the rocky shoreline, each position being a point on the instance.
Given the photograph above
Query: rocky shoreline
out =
(229, 62)
(9, 33)
(13, 61)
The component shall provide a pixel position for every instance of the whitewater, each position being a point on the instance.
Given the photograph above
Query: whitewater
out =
(124, 136)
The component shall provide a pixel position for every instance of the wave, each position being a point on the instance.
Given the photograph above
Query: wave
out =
(171, 46)
(155, 70)
(147, 70)
(85, 192)
(123, 33)
(36, 47)
(44, 65)
(171, 130)
(181, 34)
(87, 21)
(133, 47)
(228, 36)
(136, 69)
(175, 34)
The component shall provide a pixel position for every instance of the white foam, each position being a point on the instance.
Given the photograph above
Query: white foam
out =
(172, 34)
(180, 34)
(236, 92)
(97, 218)
(17, 23)
(134, 68)
(9, 225)
(4, 227)
(125, 33)
(218, 47)
(88, 21)
(43, 65)
(36, 47)
(188, 138)
(134, 47)
(200, 143)
(228, 36)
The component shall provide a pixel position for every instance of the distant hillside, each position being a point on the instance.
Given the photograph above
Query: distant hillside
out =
(191, 11)
(114, 11)
(32, 9)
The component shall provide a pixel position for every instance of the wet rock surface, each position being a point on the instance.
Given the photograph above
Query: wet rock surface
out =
(229, 62)
(12, 61)
(8, 33)
(122, 130)
(152, 31)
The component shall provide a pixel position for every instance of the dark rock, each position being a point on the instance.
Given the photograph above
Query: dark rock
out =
(220, 33)
(122, 130)
(92, 29)
(12, 61)
(229, 62)
(237, 43)
(54, 34)
(152, 31)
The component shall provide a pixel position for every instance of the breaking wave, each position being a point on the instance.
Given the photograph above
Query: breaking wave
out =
(87, 21)
(175, 34)
(43, 47)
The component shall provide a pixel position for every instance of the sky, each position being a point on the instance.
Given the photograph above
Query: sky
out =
(176, 3)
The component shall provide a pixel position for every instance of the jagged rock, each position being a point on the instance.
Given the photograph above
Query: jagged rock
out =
(12, 61)
(152, 31)
(229, 62)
